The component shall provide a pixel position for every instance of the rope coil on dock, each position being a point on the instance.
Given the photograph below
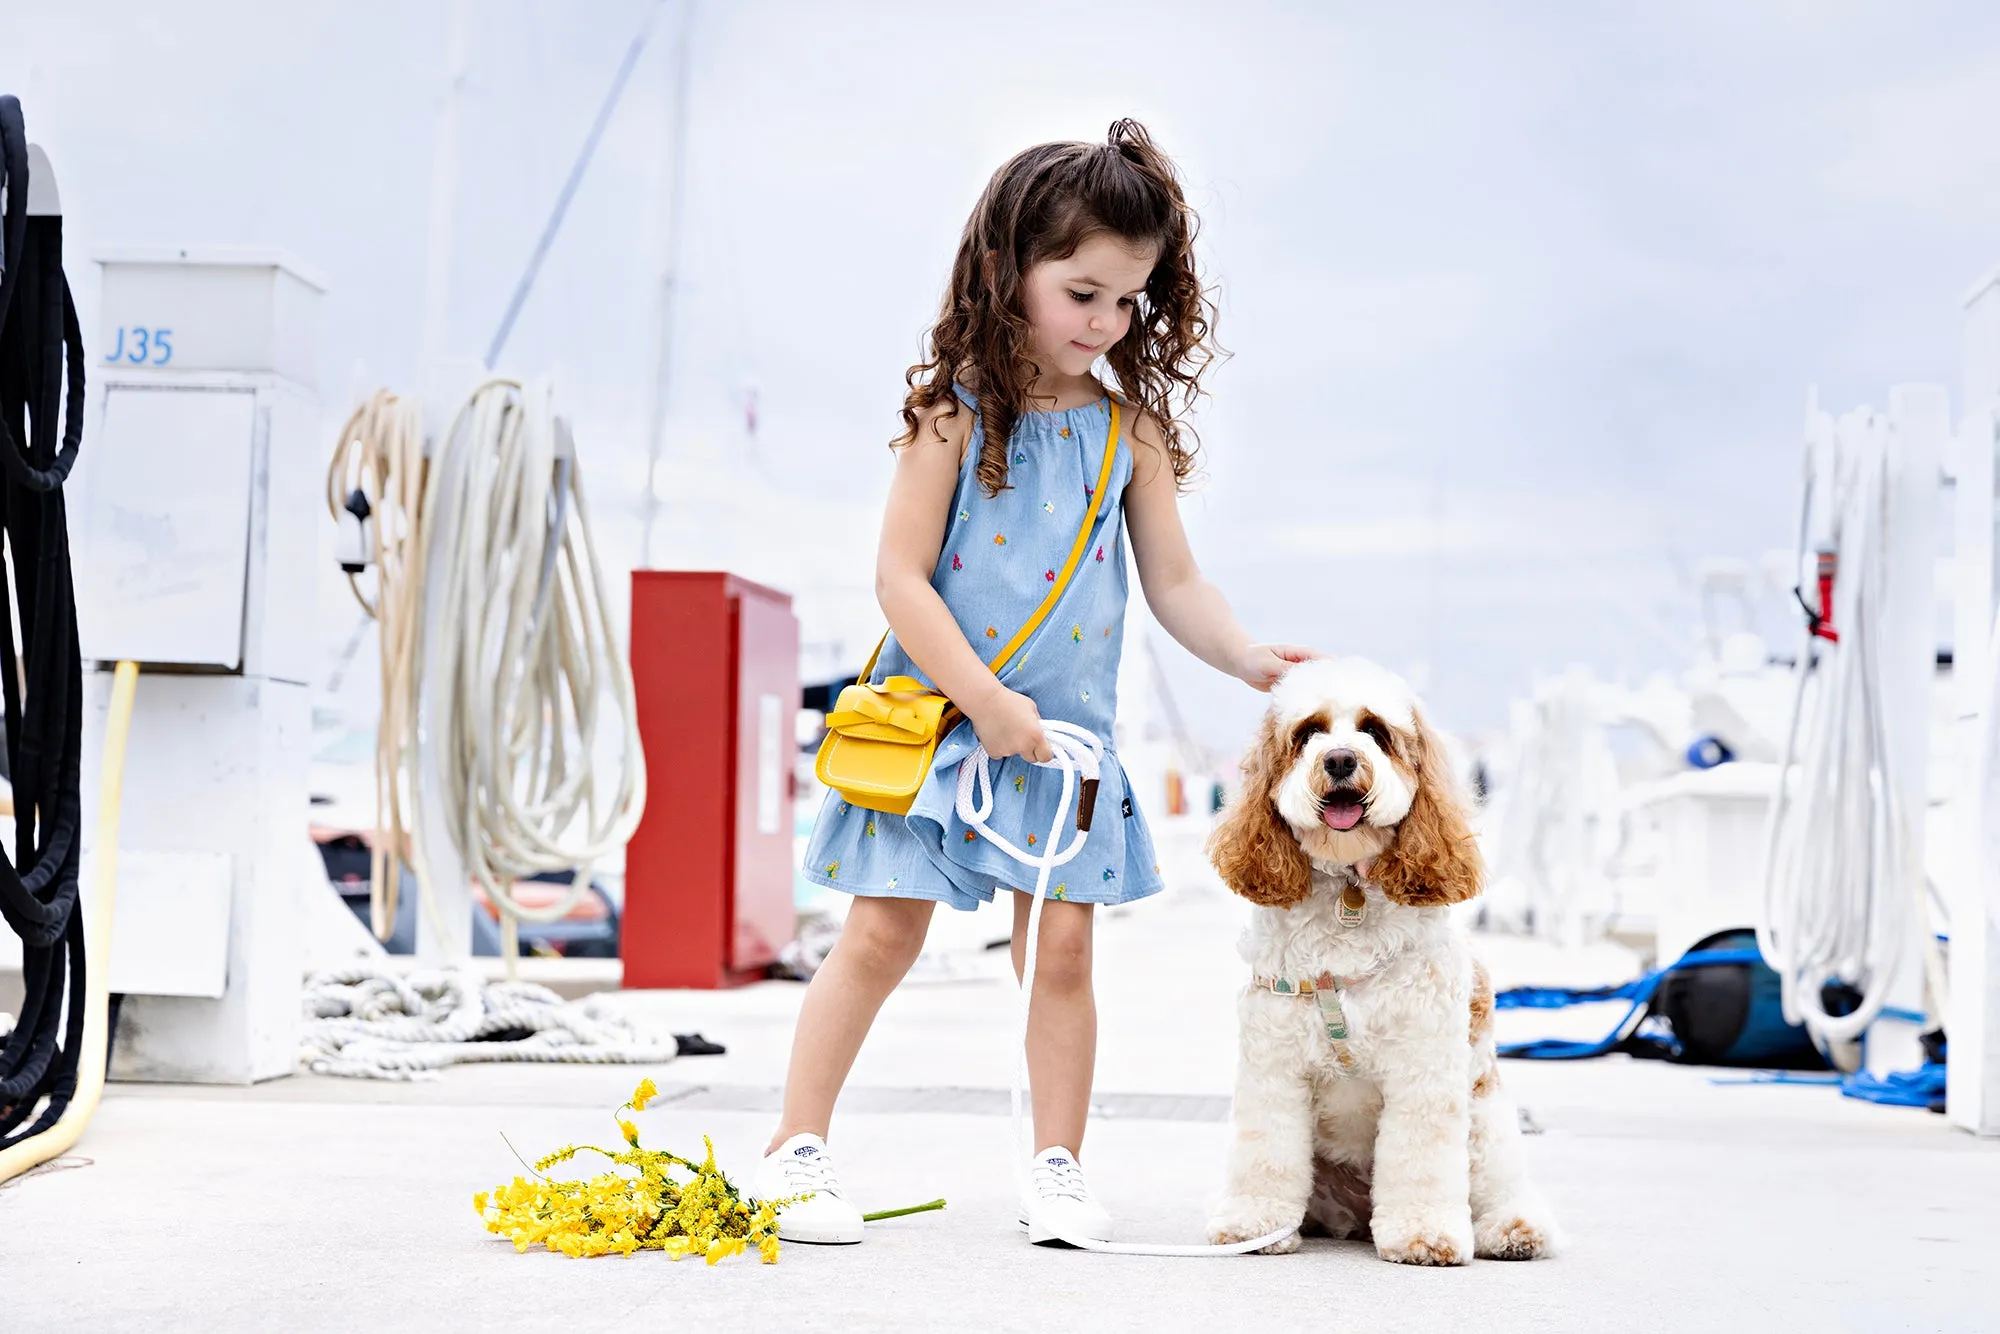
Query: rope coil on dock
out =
(373, 1023)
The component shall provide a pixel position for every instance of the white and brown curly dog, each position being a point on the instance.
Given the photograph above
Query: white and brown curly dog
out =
(1368, 1098)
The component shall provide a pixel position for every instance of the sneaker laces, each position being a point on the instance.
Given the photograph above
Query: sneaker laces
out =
(1060, 1179)
(810, 1175)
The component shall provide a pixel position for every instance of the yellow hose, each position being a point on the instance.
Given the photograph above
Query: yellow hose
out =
(58, 1138)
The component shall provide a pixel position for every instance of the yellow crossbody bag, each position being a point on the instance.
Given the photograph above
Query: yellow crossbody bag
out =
(882, 736)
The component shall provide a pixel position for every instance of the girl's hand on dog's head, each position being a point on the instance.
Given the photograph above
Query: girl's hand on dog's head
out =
(1263, 664)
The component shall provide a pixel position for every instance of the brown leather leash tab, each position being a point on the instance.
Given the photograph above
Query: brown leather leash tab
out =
(1086, 805)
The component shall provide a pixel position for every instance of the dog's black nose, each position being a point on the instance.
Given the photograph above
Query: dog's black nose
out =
(1341, 764)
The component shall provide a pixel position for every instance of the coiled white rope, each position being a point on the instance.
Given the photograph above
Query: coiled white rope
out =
(519, 632)
(1838, 835)
(370, 1023)
(1079, 756)
(381, 455)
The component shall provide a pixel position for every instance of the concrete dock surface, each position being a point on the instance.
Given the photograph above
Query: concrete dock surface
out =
(322, 1204)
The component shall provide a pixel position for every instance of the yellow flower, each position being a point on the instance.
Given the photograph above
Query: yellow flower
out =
(638, 1203)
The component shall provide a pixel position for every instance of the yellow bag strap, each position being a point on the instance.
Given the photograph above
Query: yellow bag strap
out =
(1055, 593)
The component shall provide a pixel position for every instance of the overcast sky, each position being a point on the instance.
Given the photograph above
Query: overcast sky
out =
(1524, 300)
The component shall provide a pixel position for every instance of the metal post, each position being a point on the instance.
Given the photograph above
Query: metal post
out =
(1973, 894)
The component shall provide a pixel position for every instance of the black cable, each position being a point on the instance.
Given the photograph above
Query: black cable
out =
(41, 355)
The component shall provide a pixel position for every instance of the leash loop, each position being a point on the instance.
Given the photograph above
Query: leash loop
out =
(1078, 754)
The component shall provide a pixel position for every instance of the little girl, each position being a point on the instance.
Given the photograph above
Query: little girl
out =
(1076, 255)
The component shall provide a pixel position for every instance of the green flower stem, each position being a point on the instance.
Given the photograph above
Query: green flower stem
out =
(898, 1213)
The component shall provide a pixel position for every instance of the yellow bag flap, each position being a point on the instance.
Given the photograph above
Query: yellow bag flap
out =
(899, 710)
(860, 768)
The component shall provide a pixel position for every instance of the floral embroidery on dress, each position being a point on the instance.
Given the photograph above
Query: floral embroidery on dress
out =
(1110, 874)
(871, 860)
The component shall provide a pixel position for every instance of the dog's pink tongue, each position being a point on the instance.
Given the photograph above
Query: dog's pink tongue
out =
(1342, 814)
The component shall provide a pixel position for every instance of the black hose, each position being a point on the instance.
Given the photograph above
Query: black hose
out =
(41, 356)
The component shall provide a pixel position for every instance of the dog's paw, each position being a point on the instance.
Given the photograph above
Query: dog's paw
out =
(1514, 1234)
(1240, 1218)
(1425, 1241)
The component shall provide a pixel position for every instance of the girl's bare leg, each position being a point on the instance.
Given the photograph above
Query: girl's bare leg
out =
(879, 941)
(1062, 1023)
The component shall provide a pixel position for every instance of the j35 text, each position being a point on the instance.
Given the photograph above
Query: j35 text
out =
(143, 347)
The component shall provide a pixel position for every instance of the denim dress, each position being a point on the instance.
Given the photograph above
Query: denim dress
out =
(1000, 556)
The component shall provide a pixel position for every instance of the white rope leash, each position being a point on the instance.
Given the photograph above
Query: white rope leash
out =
(1078, 753)
(366, 1022)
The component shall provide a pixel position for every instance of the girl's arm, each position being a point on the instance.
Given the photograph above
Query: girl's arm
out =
(1190, 608)
(913, 528)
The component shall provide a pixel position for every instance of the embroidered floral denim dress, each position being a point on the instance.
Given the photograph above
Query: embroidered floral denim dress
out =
(1001, 553)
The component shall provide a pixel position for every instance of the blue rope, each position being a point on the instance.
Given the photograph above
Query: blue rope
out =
(1906, 1088)
(1639, 993)
(1780, 1077)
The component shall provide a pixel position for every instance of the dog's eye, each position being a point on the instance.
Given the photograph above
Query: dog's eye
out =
(1306, 731)
(1374, 729)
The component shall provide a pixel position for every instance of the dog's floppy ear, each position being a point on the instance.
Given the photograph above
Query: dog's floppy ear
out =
(1434, 858)
(1253, 849)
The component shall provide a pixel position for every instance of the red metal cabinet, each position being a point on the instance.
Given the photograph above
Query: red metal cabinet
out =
(708, 873)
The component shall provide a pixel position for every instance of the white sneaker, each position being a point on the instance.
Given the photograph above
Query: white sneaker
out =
(801, 1166)
(1060, 1207)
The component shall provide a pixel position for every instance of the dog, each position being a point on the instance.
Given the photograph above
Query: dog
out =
(1368, 1098)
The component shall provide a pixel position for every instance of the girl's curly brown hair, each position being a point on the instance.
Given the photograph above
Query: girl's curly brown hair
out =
(1041, 206)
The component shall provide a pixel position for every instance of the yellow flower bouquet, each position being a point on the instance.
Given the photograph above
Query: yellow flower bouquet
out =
(641, 1208)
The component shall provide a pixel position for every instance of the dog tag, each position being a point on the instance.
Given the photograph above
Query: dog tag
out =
(1353, 905)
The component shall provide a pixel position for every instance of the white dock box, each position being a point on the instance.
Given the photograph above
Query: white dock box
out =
(203, 429)
(208, 308)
